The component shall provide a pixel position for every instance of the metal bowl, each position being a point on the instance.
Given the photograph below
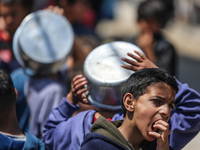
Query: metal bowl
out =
(105, 75)
(43, 42)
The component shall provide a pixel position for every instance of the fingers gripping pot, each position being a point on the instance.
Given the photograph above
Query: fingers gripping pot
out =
(43, 42)
(105, 75)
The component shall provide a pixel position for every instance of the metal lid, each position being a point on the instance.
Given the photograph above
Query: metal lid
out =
(44, 37)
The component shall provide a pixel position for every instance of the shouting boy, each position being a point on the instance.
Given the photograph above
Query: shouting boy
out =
(147, 101)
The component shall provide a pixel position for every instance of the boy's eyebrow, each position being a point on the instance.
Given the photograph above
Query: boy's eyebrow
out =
(173, 102)
(159, 97)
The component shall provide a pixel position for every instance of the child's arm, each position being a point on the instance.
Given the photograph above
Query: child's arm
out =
(185, 118)
(65, 109)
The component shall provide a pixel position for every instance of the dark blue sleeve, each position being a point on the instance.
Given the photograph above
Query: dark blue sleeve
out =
(185, 119)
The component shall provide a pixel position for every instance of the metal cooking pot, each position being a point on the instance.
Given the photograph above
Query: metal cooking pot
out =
(105, 75)
(43, 42)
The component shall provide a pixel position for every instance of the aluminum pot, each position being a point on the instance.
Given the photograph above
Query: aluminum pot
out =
(43, 42)
(105, 75)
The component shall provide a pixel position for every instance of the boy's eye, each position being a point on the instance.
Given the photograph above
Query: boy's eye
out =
(157, 101)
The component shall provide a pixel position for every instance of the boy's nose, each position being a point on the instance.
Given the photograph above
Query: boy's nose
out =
(165, 111)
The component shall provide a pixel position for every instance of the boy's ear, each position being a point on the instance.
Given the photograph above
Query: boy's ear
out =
(129, 102)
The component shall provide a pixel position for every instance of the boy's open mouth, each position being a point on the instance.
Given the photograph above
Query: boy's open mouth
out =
(154, 129)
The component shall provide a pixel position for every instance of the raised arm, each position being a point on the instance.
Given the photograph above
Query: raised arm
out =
(65, 109)
(185, 119)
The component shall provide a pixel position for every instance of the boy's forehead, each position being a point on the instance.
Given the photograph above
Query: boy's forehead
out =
(161, 90)
(161, 86)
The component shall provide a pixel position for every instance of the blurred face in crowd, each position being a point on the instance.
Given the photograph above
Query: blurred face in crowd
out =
(12, 16)
(74, 12)
(150, 25)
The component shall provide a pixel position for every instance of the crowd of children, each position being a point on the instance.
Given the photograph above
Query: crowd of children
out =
(43, 112)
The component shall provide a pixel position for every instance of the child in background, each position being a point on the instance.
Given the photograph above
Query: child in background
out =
(12, 13)
(152, 16)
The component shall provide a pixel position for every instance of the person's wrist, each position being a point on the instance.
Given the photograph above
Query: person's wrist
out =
(69, 98)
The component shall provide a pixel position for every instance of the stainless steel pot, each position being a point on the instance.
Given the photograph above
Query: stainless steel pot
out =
(105, 75)
(43, 42)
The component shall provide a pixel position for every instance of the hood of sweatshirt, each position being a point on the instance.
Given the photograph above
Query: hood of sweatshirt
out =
(109, 130)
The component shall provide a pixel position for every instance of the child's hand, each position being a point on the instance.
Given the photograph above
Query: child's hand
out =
(55, 9)
(77, 92)
(146, 42)
(140, 62)
(146, 39)
(162, 136)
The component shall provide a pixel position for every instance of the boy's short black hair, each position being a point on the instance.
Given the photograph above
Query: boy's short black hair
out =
(139, 81)
(7, 90)
(152, 9)
(25, 3)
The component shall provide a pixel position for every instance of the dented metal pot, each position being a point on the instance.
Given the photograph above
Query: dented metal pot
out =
(105, 75)
(43, 42)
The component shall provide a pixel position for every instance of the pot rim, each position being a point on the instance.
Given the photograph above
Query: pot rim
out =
(99, 105)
